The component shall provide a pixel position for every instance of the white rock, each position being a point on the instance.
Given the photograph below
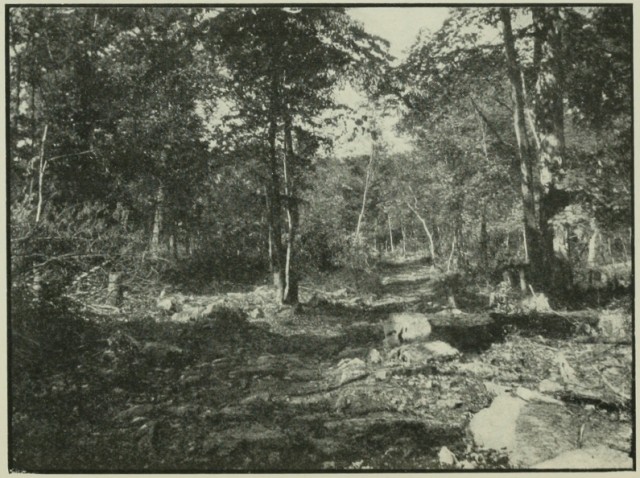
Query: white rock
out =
(166, 304)
(440, 349)
(495, 427)
(406, 327)
(374, 357)
(446, 457)
(549, 386)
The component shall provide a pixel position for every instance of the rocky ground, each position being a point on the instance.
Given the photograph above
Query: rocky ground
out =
(394, 381)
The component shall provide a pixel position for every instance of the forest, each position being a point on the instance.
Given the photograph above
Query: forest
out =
(254, 239)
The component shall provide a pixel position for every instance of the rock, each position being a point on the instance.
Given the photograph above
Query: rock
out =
(160, 353)
(600, 457)
(479, 369)
(440, 349)
(446, 457)
(615, 325)
(264, 290)
(374, 357)
(188, 314)
(256, 314)
(421, 353)
(495, 427)
(381, 374)
(405, 327)
(535, 303)
(495, 388)
(349, 370)
(550, 386)
(166, 304)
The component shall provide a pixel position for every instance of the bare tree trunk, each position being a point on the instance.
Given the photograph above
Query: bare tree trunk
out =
(290, 293)
(275, 205)
(390, 232)
(41, 169)
(453, 248)
(157, 221)
(404, 238)
(484, 240)
(425, 227)
(366, 190)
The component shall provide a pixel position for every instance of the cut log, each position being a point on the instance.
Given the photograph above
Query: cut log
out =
(549, 324)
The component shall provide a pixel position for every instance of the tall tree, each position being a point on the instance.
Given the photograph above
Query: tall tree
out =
(283, 65)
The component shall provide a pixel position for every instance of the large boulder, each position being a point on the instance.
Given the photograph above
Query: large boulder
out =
(405, 327)
(535, 429)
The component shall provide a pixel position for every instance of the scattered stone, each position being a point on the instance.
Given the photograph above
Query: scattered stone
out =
(550, 386)
(421, 353)
(374, 357)
(600, 457)
(440, 349)
(535, 303)
(166, 304)
(405, 327)
(350, 370)
(479, 369)
(256, 314)
(446, 457)
(381, 374)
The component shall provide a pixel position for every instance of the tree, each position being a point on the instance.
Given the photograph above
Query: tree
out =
(283, 65)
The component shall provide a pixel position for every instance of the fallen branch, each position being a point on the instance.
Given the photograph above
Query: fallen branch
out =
(332, 388)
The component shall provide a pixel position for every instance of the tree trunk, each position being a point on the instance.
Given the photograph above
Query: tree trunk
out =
(594, 246)
(404, 238)
(453, 248)
(525, 154)
(274, 191)
(549, 121)
(484, 241)
(157, 221)
(366, 189)
(390, 232)
(41, 169)
(290, 292)
(432, 250)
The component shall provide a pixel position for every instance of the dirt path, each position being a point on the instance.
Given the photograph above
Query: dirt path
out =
(282, 389)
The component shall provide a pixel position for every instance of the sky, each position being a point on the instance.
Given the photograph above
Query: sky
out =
(400, 26)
